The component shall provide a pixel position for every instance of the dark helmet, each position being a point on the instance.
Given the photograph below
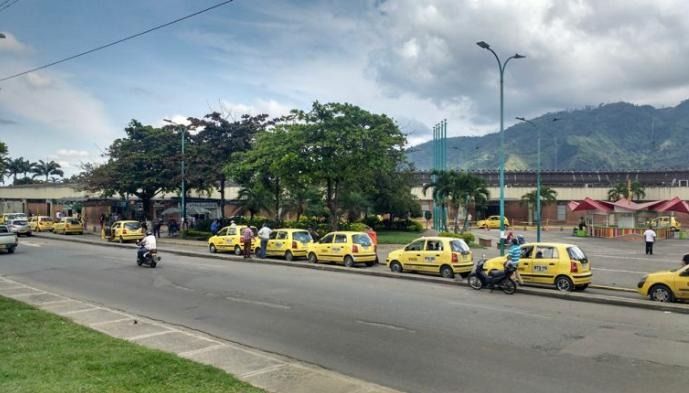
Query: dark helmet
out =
(515, 241)
(149, 233)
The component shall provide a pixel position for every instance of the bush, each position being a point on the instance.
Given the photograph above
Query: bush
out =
(468, 237)
(194, 234)
(402, 225)
(358, 227)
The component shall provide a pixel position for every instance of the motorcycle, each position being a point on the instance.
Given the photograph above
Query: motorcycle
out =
(501, 279)
(150, 258)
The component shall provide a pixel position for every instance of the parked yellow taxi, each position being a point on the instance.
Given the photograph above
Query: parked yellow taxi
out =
(123, 231)
(230, 239)
(68, 225)
(492, 222)
(563, 265)
(666, 286)
(665, 222)
(446, 256)
(41, 223)
(288, 243)
(343, 247)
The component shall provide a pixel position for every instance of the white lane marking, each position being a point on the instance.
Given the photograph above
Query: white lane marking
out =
(141, 337)
(258, 303)
(80, 311)
(202, 350)
(30, 244)
(386, 326)
(264, 370)
(109, 322)
(499, 309)
(619, 271)
(621, 257)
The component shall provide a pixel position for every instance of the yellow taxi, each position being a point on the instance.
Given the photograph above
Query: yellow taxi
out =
(665, 222)
(288, 243)
(492, 222)
(563, 265)
(343, 247)
(68, 225)
(446, 256)
(666, 286)
(230, 239)
(41, 223)
(123, 231)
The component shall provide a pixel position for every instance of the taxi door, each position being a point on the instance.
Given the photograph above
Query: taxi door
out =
(233, 237)
(277, 243)
(322, 248)
(545, 265)
(410, 258)
(682, 283)
(220, 240)
(431, 255)
(33, 224)
(494, 222)
(340, 247)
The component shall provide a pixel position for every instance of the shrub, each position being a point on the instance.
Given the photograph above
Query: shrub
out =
(358, 227)
(403, 225)
(194, 234)
(468, 237)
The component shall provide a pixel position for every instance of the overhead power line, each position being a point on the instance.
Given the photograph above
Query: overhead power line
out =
(114, 42)
(7, 4)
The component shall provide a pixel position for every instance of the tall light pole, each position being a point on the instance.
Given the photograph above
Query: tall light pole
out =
(538, 175)
(501, 67)
(184, 204)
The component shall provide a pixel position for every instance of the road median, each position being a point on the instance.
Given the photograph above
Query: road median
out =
(610, 299)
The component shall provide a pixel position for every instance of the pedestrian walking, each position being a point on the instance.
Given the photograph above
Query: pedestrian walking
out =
(214, 227)
(247, 236)
(314, 235)
(157, 222)
(101, 221)
(233, 224)
(650, 238)
(264, 235)
(372, 234)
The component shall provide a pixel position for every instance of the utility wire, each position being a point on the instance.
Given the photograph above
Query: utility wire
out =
(7, 4)
(114, 42)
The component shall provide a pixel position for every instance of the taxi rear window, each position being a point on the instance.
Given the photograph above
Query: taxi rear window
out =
(459, 245)
(74, 221)
(576, 254)
(303, 237)
(132, 225)
(45, 219)
(361, 239)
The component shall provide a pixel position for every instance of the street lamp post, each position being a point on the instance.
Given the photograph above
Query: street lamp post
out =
(501, 67)
(538, 175)
(184, 204)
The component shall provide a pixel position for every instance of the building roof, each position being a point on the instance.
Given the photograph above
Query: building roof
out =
(675, 204)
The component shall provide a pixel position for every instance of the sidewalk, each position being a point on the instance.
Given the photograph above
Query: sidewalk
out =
(265, 370)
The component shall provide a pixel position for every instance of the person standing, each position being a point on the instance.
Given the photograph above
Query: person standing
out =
(101, 221)
(264, 235)
(214, 227)
(513, 257)
(247, 236)
(156, 227)
(650, 238)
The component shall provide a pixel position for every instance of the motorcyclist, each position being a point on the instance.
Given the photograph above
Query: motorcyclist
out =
(146, 244)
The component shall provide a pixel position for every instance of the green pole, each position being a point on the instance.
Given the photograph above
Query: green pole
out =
(538, 187)
(184, 204)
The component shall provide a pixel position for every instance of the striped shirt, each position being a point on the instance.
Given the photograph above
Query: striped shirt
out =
(514, 254)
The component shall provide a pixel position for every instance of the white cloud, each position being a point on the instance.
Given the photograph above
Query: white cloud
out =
(10, 44)
(260, 106)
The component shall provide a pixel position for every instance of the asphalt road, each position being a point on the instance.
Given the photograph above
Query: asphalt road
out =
(416, 337)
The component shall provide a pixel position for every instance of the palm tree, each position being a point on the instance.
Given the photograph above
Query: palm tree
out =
(626, 190)
(455, 188)
(548, 195)
(16, 166)
(253, 200)
(47, 169)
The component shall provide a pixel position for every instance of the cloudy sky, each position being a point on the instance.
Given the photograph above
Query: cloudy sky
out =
(415, 60)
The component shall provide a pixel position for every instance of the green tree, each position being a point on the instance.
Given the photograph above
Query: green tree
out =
(253, 200)
(392, 194)
(342, 145)
(144, 163)
(3, 161)
(47, 169)
(630, 190)
(548, 195)
(16, 166)
(218, 143)
(456, 188)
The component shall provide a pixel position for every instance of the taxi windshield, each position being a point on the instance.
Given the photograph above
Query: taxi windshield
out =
(19, 222)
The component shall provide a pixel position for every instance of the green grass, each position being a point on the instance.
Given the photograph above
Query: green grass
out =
(397, 237)
(41, 352)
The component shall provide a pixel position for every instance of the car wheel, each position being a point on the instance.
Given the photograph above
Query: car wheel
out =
(564, 284)
(581, 287)
(661, 293)
(396, 267)
(237, 250)
(212, 248)
(349, 261)
(313, 258)
(475, 282)
(289, 256)
(447, 272)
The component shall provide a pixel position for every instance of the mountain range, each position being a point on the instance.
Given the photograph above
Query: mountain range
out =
(618, 136)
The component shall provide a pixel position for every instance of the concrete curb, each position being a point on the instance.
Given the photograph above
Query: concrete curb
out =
(572, 296)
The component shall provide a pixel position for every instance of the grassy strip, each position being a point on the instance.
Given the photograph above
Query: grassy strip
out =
(397, 237)
(41, 352)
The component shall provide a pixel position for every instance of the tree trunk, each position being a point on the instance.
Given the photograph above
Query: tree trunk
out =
(277, 200)
(222, 197)
(456, 218)
(331, 203)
